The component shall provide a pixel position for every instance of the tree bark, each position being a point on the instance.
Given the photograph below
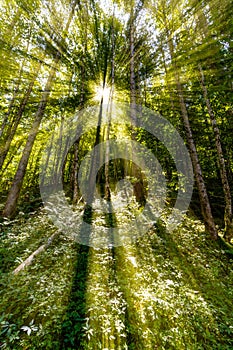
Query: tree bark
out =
(13, 195)
(29, 260)
(12, 199)
(11, 133)
(76, 145)
(202, 191)
(221, 162)
(204, 199)
(107, 192)
(75, 172)
(15, 93)
(138, 186)
(132, 68)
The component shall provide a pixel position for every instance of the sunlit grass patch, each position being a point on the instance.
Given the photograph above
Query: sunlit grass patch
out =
(162, 291)
(104, 303)
(40, 293)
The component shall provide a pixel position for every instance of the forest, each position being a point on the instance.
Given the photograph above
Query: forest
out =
(116, 174)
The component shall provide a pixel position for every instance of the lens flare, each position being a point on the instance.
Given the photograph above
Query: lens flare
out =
(104, 93)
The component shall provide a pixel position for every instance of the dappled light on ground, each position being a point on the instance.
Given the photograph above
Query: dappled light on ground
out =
(164, 291)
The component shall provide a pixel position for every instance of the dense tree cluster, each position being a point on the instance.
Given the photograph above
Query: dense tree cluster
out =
(174, 57)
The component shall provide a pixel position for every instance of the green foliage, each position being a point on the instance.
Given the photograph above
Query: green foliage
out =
(165, 291)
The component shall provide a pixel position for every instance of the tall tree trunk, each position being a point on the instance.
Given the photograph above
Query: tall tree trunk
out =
(95, 158)
(13, 195)
(15, 93)
(75, 172)
(138, 186)
(204, 199)
(132, 67)
(166, 76)
(11, 131)
(9, 160)
(228, 218)
(47, 159)
(76, 145)
(202, 191)
(107, 192)
(14, 192)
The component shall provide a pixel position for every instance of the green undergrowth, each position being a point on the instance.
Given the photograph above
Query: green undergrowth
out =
(164, 291)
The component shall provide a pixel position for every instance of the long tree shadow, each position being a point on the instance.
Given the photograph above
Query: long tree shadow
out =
(198, 282)
(111, 222)
(130, 317)
(72, 328)
(201, 278)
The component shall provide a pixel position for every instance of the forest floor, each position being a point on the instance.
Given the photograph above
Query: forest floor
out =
(165, 291)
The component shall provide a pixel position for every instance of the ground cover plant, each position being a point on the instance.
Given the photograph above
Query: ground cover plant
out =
(164, 291)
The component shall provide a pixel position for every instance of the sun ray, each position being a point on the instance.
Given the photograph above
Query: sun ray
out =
(104, 93)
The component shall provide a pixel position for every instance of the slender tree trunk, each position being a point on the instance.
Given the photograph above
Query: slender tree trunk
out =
(76, 145)
(58, 164)
(9, 160)
(13, 195)
(167, 78)
(202, 191)
(11, 132)
(6, 117)
(138, 186)
(107, 192)
(204, 200)
(95, 158)
(47, 159)
(75, 173)
(35, 166)
(14, 192)
(30, 259)
(132, 68)
(221, 163)
(82, 102)
(15, 93)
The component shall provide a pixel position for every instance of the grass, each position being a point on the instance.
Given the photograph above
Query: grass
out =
(164, 291)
